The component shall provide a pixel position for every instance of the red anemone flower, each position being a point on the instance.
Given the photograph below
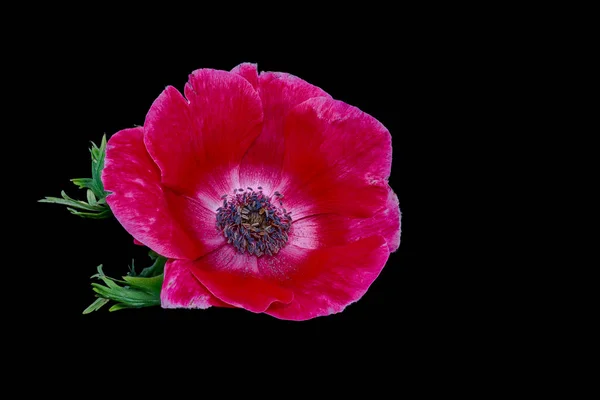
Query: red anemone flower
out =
(262, 191)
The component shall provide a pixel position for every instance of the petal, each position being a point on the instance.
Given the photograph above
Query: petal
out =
(327, 280)
(279, 93)
(138, 200)
(234, 279)
(226, 112)
(200, 141)
(198, 221)
(337, 160)
(182, 290)
(247, 71)
(325, 230)
(171, 140)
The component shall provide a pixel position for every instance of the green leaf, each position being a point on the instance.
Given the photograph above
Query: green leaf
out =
(95, 207)
(96, 305)
(67, 201)
(91, 198)
(131, 291)
(149, 285)
(119, 306)
(98, 215)
(155, 269)
(132, 269)
(100, 273)
(153, 255)
(126, 295)
(98, 165)
(83, 183)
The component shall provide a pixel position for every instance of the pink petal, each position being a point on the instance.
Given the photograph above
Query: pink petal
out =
(199, 143)
(197, 221)
(327, 280)
(234, 278)
(227, 113)
(182, 290)
(138, 201)
(325, 230)
(337, 160)
(247, 71)
(279, 93)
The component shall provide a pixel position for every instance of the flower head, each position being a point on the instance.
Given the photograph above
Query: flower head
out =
(262, 191)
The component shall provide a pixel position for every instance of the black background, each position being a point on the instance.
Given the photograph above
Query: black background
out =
(87, 81)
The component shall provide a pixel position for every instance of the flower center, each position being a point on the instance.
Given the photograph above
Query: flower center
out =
(251, 222)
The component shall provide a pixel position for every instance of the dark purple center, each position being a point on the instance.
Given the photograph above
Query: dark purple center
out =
(252, 223)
